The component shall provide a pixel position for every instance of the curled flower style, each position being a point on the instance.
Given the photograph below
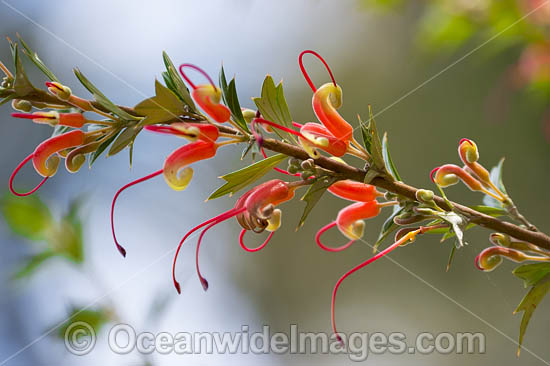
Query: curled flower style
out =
(490, 258)
(255, 210)
(45, 159)
(189, 131)
(326, 100)
(207, 96)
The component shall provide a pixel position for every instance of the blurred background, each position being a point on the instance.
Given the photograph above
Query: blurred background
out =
(379, 52)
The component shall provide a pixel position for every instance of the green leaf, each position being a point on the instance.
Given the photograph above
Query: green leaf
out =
(21, 85)
(313, 195)
(388, 227)
(532, 273)
(230, 98)
(96, 318)
(496, 178)
(32, 264)
(163, 107)
(390, 166)
(458, 225)
(488, 210)
(272, 105)
(33, 56)
(245, 176)
(68, 239)
(372, 142)
(177, 82)
(102, 99)
(126, 137)
(27, 216)
(530, 302)
(104, 145)
(451, 257)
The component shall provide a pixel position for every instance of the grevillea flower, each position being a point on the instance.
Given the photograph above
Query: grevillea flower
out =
(316, 136)
(254, 210)
(54, 118)
(176, 170)
(326, 100)
(45, 157)
(490, 258)
(207, 96)
(450, 174)
(350, 219)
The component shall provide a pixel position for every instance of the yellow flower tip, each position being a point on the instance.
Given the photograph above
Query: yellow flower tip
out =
(354, 231)
(178, 180)
(59, 90)
(274, 222)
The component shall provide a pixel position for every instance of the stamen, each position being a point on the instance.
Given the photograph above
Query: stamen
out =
(218, 219)
(252, 250)
(304, 72)
(147, 177)
(409, 236)
(16, 170)
(182, 66)
(329, 249)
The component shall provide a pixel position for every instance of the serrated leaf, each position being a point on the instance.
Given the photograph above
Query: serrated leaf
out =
(230, 98)
(102, 99)
(180, 89)
(372, 143)
(126, 137)
(32, 264)
(27, 216)
(388, 227)
(96, 318)
(390, 166)
(21, 85)
(101, 148)
(529, 303)
(532, 273)
(313, 195)
(272, 105)
(163, 107)
(33, 56)
(245, 176)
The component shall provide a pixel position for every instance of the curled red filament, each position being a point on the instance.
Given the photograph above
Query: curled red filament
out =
(191, 66)
(258, 248)
(147, 177)
(16, 170)
(304, 72)
(330, 249)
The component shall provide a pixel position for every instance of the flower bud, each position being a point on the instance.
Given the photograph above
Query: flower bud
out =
(248, 114)
(62, 92)
(21, 105)
(467, 150)
(308, 164)
(500, 239)
(424, 195)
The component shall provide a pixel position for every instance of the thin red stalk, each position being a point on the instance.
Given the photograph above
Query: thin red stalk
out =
(330, 249)
(152, 175)
(304, 72)
(222, 217)
(279, 169)
(252, 250)
(276, 125)
(16, 170)
(182, 66)
(203, 280)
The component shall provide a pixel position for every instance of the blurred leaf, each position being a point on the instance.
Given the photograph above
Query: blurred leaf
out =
(313, 195)
(163, 107)
(496, 178)
(272, 105)
(96, 318)
(443, 30)
(532, 273)
(388, 227)
(21, 84)
(530, 302)
(33, 56)
(177, 82)
(488, 210)
(27, 216)
(126, 137)
(230, 98)
(104, 145)
(69, 240)
(390, 166)
(102, 99)
(245, 176)
(33, 264)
